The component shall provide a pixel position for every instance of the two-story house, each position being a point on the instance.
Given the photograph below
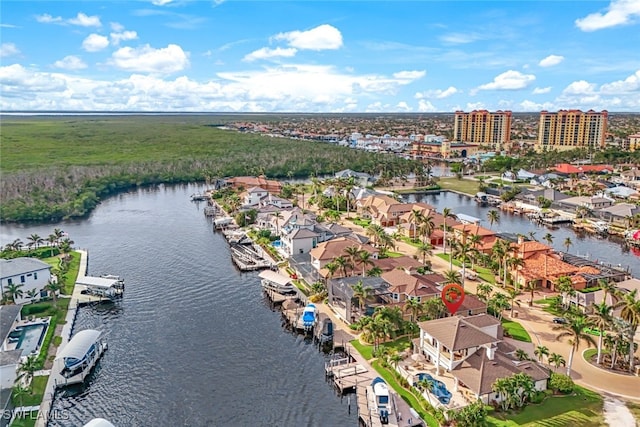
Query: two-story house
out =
(253, 197)
(473, 351)
(28, 273)
(326, 252)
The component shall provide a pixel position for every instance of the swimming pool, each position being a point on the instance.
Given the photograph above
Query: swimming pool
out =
(276, 243)
(31, 338)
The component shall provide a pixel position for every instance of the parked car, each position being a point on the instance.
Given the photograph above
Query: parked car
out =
(469, 274)
(559, 320)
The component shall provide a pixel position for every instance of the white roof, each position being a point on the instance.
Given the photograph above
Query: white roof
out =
(98, 422)
(79, 345)
(96, 282)
(468, 218)
(274, 277)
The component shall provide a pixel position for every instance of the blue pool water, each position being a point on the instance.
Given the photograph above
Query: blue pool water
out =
(437, 388)
(31, 338)
(276, 243)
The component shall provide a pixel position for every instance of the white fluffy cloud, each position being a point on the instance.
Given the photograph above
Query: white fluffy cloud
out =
(580, 87)
(630, 84)
(70, 62)
(117, 37)
(409, 75)
(425, 106)
(322, 37)
(267, 53)
(551, 60)
(95, 43)
(541, 90)
(146, 59)
(437, 93)
(509, 80)
(81, 19)
(619, 12)
(8, 49)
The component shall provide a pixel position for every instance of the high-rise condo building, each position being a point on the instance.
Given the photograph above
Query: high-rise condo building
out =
(570, 129)
(483, 127)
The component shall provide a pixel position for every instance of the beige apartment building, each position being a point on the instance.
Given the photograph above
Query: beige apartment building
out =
(484, 128)
(570, 129)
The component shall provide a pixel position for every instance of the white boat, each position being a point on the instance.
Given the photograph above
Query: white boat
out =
(382, 399)
(276, 282)
(76, 360)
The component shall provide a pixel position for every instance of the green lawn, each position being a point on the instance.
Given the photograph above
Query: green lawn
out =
(404, 393)
(483, 273)
(583, 408)
(27, 420)
(463, 185)
(515, 330)
(367, 350)
(72, 274)
(38, 385)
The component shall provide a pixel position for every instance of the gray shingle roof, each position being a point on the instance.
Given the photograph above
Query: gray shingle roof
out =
(8, 314)
(11, 357)
(16, 266)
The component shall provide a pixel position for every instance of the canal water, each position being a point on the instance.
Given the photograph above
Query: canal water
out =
(193, 343)
(596, 248)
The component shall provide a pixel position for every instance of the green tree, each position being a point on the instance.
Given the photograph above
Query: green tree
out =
(343, 264)
(541, 352)
(424, 250)
(361, 294)
(53, 288)
(548, 238)
(446, 213)
(557, 360)
(27, 368)
(484, 291)
(13, 291)
(567, 243)
(574, 329)
(364, 258)
(630, 313)
(413, 306)
(601, 318)
(494, 217)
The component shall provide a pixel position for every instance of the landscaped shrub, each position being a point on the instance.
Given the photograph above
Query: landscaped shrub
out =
(561, 383)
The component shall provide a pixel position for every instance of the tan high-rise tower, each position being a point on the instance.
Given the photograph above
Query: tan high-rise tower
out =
(483, 127)
(570, 129)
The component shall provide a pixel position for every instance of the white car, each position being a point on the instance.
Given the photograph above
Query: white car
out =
(468, 274)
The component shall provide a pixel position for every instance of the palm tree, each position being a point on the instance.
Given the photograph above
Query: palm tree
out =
(446, 213)
(52, 239)
(423, 250)
(375, 231)
(548, 238)
(531, 286)
(35, 240)
(277, 215)
(27, 368)
(522, 354)
(557, 360)
(601, 318)
(352, 253)
(483, 291)
(426, 227)
(514, 263)
(414, 219)
(14, 291)
(364, 258)
(375, 272)
(395, 358)
(19, 392)
(608, 286)
(494, 217)
(453, 277)
(332, 267)
(53, 288)
(512, 293)
(567, 243)
(343, 264)
(362, 293)
(413, 306)
(474, 240)
(630, 313)
(32, 294)
(574, 329)
(565, 287)
(541, 352)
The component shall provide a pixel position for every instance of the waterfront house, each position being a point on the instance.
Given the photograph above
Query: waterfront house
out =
(369, 207)
(244, 182)
(622, 192)
(473, 351)
(326, 252)
(30, 273)
(341, 295)
(631, 176)
(589, 202)
(488, 238)
(569, 169)
(403, 286)
(298, 241)
(410, 229)
(620, 215)
(253, 196)
(360, 178)
(405, 263)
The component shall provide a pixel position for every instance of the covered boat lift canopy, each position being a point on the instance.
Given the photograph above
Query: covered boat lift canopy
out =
(103, 286)
(274, 277)
(79, 347)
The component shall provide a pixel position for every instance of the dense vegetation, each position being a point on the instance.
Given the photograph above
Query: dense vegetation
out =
(61, 167)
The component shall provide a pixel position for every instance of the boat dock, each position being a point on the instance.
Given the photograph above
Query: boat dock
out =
(246, 258)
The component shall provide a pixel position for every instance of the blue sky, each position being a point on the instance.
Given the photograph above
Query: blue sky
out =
(303, 56)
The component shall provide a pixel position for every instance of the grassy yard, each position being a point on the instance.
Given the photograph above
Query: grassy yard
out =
(38, 385)
(367, 350)
(583, 408)
(27, 420)
(72, 274)
(515, 330)
(483, 273)
(57, 313)
(466, 186)
(635, 410)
